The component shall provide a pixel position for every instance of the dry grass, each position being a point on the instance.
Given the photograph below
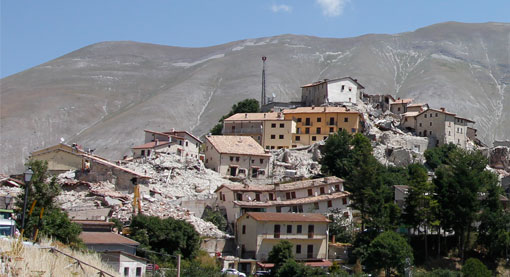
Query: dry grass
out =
(17, 260)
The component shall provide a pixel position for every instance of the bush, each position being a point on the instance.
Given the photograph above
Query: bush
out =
(475, 268)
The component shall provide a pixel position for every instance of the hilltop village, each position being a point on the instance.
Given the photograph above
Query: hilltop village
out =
(262, 174)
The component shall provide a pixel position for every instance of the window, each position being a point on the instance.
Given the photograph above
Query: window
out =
(239, 196)
(298, 248)
(430, 133)
(186, 143)
(277, 231)
(310, 192)
(316, 205)
(331, 129)
(299, 229)
(280, 136)
(278, 209)
(330, 204)
(353, 130)
(273, 125)
(319, 119)
(298, 138)
(244, 229)
(310, 231)
(138, 271)
(343, 87)
(425, 115)
(287, 195)
(331, 121)
(293, 195)
(321, 190)
(398, 109)
(282, 125)
(436, 114)
(126, 271)
(307, 130)
(346, 119)
(299, 119)
(143, 153)
(337, 187)
(272, 147)
(318, 130)
(420, 124)
(419, 133)
(314, 138)
(237, 159)
(273, 136)
(261, 161)
(449, 133)
(289, 229)
(271, 197)
(257, 196)
(344, 200)
(307, 121)
(430, 123)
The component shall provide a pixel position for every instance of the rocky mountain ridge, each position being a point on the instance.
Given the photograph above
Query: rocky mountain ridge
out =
(103, 95)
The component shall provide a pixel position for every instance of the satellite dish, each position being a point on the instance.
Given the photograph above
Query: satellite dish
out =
(62, 140)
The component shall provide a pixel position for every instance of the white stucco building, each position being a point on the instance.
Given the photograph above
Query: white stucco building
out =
(346, 91)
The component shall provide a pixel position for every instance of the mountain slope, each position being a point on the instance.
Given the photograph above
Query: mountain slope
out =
(103, 95)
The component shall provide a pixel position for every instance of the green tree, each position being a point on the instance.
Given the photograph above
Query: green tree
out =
(165, 237)
(438, 273)
(457, 189)
(493, 230)
(280, 254)
(340, 227)
(337, 155)
(420, 205)
(475, 268)
(295, 269)
(388, 250)
(55, 222)
(439, 155)
(245, 106)
(215, 217)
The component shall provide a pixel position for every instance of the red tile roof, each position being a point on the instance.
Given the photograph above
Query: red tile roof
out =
(304, 217)
(105, 238)
(238, 145)
(319, 110)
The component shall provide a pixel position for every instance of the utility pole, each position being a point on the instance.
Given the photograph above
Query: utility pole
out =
(263, 96)
(178, 265)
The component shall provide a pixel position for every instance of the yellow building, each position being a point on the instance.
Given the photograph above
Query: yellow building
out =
(314, 124)
(270, 130)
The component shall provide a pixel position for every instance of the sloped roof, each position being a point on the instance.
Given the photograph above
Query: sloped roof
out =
(403, 101)
(178, 133)
(105, 238)
(319, 110)
(355, 81)
(297, 201)
(254, 117)
(110, 164)
(288, 217)
(283, 187)
(150, 145)
(239, 145)
(410, 114)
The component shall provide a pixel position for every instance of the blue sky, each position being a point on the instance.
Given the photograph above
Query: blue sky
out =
(34, 32)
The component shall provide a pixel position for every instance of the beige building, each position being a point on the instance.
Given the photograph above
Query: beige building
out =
(236, 156)
(327, 92)
(271, 130)
(257, 233)
(314, 124)
(320, 195)
(181, 143)
(379, 101)
(399, 106)
(61, 157)
(442, 127)
(418, 107)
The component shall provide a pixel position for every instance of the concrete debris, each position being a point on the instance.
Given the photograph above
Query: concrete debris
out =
(499, 158)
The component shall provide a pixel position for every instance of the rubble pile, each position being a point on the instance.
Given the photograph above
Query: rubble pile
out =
(499, 158)
(300, 162)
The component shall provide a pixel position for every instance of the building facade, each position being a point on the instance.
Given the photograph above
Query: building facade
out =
(314, 124)
(257, 234)
(399, 106)
(236, 156)
(345, 91)
(181, 143)
(320, 195)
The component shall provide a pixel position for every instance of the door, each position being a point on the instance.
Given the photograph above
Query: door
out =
(309, 251)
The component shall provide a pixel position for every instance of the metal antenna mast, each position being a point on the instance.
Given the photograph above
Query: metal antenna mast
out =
(263, 96)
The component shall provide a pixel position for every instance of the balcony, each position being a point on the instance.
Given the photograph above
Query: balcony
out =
(244, 131)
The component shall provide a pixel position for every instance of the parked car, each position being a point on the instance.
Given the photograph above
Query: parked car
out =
(232, 272)
(261, 273)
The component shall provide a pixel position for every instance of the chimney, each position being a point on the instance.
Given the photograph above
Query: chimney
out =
(172, 130)
(398, 98)
(324, 109)
(313, 107)
(443, 109)
(280, 115)
(245, 115)
(264, 115)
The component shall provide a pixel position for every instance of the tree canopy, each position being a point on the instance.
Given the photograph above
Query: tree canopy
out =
(55, 222)
(388, 250)
(165, 237)
(280, 254)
